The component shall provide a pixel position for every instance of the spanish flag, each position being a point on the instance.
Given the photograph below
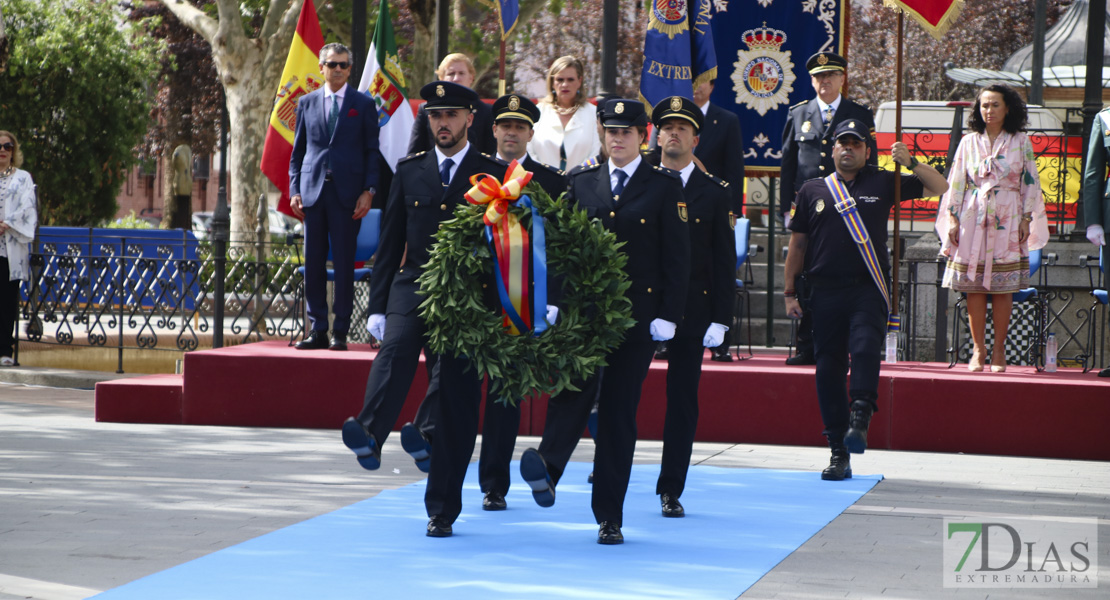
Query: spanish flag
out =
(300, 76)
(934, 16)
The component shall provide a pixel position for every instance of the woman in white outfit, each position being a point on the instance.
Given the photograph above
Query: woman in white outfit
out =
(566, 134)
(18, 218)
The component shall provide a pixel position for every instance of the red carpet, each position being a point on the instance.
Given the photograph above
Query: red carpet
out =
(922, 406)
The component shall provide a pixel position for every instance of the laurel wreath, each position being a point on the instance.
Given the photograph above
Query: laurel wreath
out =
(585, 268)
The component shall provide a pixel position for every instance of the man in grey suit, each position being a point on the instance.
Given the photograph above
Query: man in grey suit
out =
(333, 175)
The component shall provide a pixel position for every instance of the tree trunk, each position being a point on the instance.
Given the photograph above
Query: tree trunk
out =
(423, 44)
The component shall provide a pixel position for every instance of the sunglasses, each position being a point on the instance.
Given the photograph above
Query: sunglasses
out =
(331, 64)
(7, 146)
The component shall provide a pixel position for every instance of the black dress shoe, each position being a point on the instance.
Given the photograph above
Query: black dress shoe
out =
(671, 506)
(438, 527)
(590, 479)
(317, 340)
(661, 351)
(840, 467)
(533, 470)
(856, 438)
(721, 354)
(418, 447)
(610, 534)
(365, 447)
(1105, 372)
(801, 359)
(338, 342)
(494, 501)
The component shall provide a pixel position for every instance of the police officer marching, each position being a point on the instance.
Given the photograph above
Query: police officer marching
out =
(849, 279)
(706, 210)
(807, 153)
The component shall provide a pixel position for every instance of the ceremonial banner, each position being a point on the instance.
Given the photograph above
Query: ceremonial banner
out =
(509, 12)
(935, 16)
(300, 76)
(383, 81)
(678, 50)
(761, 70)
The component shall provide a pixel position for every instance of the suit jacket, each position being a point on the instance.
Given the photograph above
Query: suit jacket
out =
(352, 148)
(1096, 194)
(552, 180)
(721, 149)
(807, 144)
(479, 134)
(712, 255)
(656, 239)
(417, 203)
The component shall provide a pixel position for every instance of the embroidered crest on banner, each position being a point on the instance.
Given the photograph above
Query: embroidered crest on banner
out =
(763, 75)
(669, 17)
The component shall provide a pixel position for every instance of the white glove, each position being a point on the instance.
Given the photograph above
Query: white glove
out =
(552, 314)
(1096, 235)
(786, 221)
(661, 330)
(376, 326)
(714, 336)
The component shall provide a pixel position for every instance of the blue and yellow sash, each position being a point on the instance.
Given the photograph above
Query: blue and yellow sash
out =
(846, 206)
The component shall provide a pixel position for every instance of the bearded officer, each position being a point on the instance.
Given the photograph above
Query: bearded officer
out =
(807, 153)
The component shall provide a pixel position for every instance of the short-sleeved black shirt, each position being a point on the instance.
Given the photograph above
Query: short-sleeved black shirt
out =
(831, 252)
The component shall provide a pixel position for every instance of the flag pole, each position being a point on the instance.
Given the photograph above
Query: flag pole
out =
(897, 167)
(501, 72)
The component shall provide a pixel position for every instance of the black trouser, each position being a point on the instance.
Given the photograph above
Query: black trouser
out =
(849, 324)
(455, 433)
(684, 359)
(499, 430)
(392, 372)
(803, 337)
(568, 412)
(9, 308)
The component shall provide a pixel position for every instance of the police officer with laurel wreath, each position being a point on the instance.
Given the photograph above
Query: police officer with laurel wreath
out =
(712, 289)
(643, 205)
(425, 191)
(807, 153)
(514, 116)
(850, 302)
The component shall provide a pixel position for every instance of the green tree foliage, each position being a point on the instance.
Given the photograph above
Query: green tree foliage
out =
(76, 93)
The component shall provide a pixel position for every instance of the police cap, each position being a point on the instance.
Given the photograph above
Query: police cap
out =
(853, 127)
(622, 112)
(601, 99)
(677, 107)
(442, 95)
(826, 61)
(516, 107)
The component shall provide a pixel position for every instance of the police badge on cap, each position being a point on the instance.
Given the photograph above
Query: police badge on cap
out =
(515, 106)
(823, 62)
(677, 107)
(442, 95)
(621, 112)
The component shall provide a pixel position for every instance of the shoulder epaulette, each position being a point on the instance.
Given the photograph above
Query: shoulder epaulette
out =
(666, 171)
(412, 156)
(802, 103)
(717, 180)
(584, 167)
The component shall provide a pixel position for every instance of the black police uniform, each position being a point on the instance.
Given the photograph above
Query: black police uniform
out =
(807, 153)
(645, 217)
(849, 312)
(418, 202)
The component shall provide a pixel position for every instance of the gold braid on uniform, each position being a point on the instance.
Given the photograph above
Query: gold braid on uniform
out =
(593, 315)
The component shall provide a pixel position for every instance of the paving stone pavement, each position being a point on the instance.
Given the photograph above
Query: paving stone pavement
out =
(87, 506)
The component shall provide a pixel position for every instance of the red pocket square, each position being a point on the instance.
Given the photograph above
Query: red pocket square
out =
(352, 113)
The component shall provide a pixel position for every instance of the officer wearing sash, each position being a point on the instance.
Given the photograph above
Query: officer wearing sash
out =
(839, 229)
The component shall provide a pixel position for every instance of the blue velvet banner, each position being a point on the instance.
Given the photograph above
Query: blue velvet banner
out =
(762, 47)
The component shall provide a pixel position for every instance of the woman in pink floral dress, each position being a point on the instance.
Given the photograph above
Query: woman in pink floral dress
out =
(992, 216)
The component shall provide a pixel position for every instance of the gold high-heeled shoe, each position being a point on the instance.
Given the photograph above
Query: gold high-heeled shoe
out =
(975, 364)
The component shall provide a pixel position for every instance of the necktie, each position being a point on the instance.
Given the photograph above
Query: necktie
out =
(333, 118)
(445, 171)
(621, 178)
(828, 114)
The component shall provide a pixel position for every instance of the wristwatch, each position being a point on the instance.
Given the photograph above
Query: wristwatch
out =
(373, 192)
(1027, 218)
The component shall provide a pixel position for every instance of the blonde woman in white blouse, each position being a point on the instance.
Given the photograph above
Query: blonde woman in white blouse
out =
(18, 218)
(566, 134)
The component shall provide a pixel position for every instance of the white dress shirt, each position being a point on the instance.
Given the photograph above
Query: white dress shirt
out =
(457, 158)
(628, 169)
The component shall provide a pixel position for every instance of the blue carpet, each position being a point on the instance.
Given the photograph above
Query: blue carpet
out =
(740, 523)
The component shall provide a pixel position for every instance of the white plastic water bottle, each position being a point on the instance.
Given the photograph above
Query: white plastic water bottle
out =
(1050, 354)
(892, 346)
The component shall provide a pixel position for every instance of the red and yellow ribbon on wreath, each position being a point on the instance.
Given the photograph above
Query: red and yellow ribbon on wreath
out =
(519, 256)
